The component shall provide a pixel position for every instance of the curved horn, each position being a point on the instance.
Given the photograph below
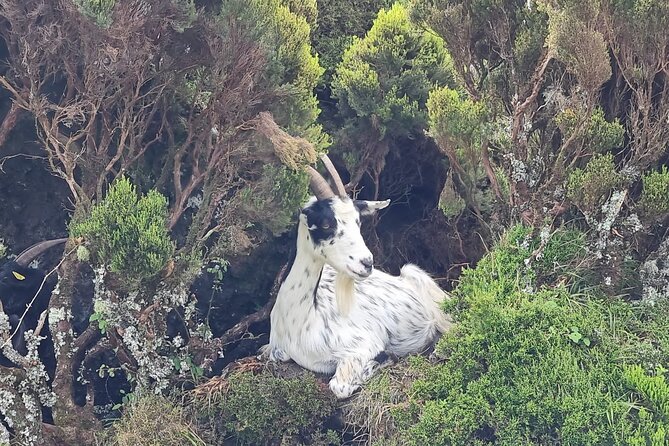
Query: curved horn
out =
(318, 185)
(32, 252)
(339, 184)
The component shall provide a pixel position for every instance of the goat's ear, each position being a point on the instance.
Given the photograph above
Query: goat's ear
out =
(370, 207)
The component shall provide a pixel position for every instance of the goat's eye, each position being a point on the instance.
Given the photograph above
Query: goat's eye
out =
(325, 225)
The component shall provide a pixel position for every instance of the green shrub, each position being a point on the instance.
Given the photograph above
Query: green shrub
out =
(525, 366)
(655, 195)
(599, 135)
(384, 78)
(588, 188)
(128, 232)
(264, 409)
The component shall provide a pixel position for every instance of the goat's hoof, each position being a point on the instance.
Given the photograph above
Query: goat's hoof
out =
(342, 390)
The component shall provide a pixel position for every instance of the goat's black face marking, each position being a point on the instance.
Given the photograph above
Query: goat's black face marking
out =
(321, 220)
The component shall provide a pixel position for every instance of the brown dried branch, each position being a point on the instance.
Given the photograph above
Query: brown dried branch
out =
(520, 109)
(9, 122)
(207, 352)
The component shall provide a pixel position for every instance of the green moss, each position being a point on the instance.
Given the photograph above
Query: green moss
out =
(128, 232)
(654, 199)
(264, 409)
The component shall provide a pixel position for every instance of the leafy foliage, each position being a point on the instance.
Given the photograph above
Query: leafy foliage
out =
(280, 193)
(654, 197)
(338, 22)
(129, 232)
(589, 187)
(385, 77)
(654, 413)
(599, 134)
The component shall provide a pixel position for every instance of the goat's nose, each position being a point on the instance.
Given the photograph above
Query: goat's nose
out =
(368, 263)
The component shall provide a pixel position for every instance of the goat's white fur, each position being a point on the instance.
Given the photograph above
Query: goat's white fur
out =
(398, 315)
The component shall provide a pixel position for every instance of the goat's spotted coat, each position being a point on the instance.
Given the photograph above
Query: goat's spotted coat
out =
(399, 315)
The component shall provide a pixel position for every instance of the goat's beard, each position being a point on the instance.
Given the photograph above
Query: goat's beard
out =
(344, 293)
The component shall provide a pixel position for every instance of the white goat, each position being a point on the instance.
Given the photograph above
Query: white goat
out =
(388, 314)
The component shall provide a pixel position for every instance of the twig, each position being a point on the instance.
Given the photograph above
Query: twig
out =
(241, 327)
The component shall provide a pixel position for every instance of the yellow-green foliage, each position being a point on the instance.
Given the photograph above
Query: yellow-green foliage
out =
(599, 135)
(574, 40)
(285, 37)
(386, 76)
(453, 117)
(304, 8)
(588, 188)
(153, 421)
(263, 409)
(655, 195)
(338, 22)
(128, 232)
(450, 203)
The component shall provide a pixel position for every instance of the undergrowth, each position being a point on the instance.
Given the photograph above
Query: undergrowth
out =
(530, 364)
(258, 409)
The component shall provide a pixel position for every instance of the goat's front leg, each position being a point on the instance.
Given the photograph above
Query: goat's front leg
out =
(273, 353)
(351, 373)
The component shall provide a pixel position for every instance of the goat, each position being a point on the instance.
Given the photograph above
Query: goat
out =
(318, 323)
(25, 297)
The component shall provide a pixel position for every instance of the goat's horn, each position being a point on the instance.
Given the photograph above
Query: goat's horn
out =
(318, 185)
(32, 252)
(339, 184)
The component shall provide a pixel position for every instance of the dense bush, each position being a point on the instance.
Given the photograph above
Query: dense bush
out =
(654, 197)
(590, 187)
(382, 85)
(129, 231)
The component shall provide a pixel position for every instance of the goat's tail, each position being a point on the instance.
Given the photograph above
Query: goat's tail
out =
(427, 289)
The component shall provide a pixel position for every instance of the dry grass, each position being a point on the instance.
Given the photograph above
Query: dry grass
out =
(153, 421)
(368, 414)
